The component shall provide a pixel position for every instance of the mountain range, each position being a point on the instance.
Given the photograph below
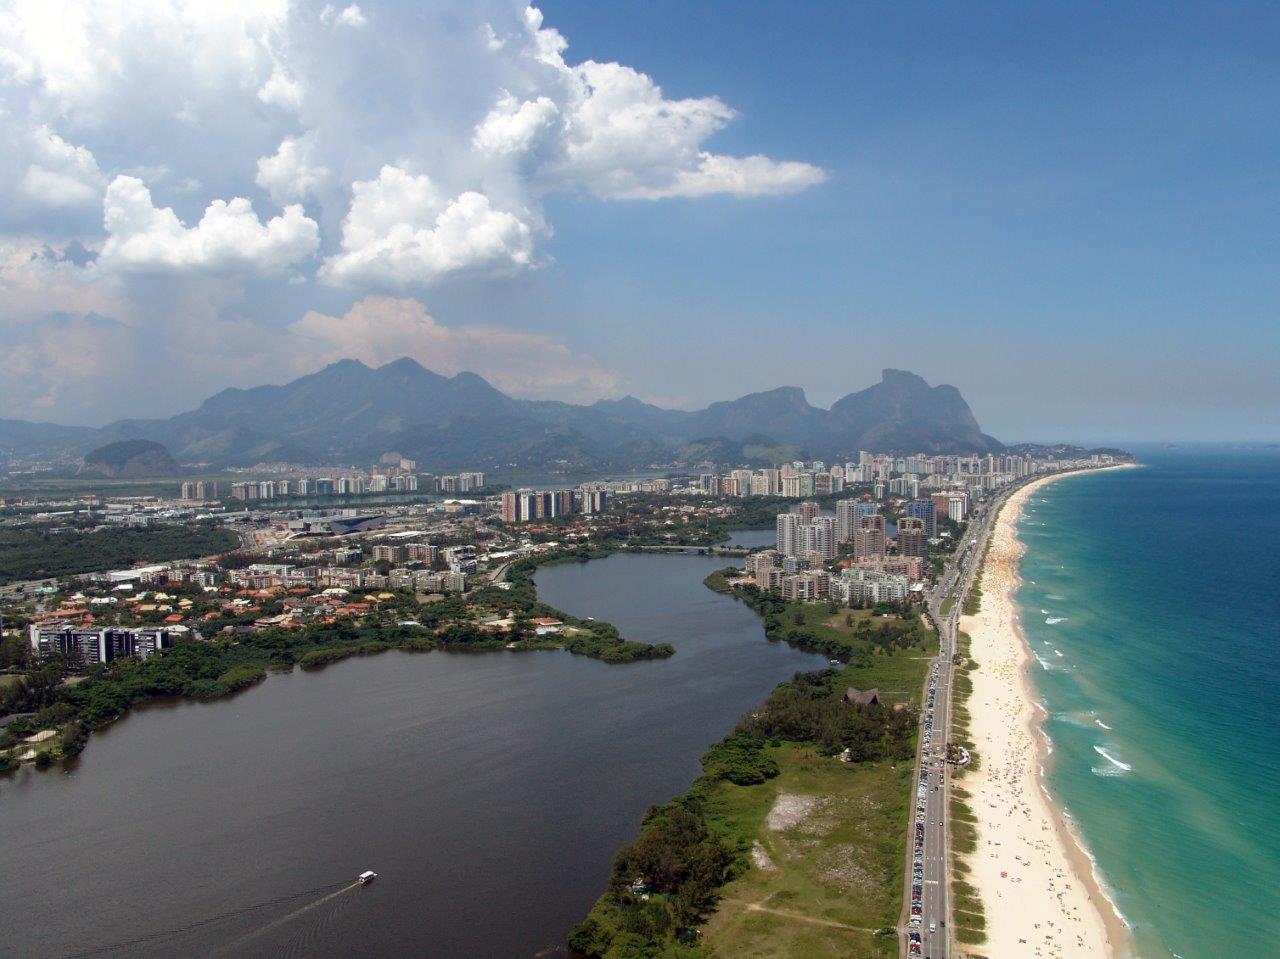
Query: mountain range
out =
(350, 413)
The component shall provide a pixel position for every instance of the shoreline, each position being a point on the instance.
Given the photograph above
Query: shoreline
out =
(1041, 889)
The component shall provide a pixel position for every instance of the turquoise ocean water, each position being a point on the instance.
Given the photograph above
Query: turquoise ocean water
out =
(1151, 599)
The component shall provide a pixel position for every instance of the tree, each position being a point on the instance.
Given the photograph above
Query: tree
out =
(13, 651)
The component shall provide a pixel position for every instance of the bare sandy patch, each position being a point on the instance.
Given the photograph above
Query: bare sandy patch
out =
(790, 811)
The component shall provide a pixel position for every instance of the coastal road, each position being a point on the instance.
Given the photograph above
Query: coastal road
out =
(926, 904)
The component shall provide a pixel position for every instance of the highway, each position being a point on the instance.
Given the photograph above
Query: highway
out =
(923, 930)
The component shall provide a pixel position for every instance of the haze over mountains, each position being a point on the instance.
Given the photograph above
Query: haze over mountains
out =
(349, 413)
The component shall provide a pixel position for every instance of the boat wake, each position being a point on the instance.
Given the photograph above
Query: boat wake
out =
(1054, 620)
(235, 947)
(330, 891)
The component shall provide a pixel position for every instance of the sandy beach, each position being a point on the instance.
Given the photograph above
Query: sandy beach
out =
(1038, 887)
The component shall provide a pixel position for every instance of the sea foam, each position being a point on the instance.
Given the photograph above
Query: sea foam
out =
(1055, 620)
(1117, 767)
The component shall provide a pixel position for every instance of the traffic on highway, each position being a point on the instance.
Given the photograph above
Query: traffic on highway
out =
(925, 910)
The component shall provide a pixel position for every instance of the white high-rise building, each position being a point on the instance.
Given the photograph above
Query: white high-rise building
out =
(817, 537)
(788, 523)
(846, 520)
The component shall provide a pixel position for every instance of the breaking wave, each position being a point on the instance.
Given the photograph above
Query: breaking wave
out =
(1117, 768)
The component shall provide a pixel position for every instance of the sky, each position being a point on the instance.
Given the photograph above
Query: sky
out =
(1068, 211)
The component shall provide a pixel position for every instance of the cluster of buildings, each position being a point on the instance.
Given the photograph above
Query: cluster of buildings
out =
(269, 576)
(414, 565)
(525, 505)
(808, 542)
(200, 491)
(379, 480)
(888, 475)
(310, 586)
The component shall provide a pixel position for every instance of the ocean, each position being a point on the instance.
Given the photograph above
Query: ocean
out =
(1151, 598)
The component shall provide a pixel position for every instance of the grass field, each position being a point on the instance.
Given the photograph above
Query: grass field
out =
(833, 880)
(949, 603)
(826, 878)
(899, 676)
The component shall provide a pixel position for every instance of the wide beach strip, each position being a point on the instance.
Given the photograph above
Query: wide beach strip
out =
(1038, 887)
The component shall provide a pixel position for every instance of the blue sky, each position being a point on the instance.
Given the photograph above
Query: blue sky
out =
(1071, 213)
(1068, 211)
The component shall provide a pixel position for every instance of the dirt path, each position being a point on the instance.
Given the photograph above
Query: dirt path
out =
(795, 916)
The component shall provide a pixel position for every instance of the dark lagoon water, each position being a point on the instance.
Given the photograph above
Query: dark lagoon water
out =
(489, 791)
(753, 538)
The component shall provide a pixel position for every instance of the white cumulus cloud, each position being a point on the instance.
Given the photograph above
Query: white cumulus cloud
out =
(292, 173)
(61, 174)
(400, 232)
(188, 145)
(281, 90)
(511, 127)
(144, 238)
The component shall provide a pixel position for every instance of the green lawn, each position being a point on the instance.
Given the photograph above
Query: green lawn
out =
(949, 602)
(835, 872)
(836, 876)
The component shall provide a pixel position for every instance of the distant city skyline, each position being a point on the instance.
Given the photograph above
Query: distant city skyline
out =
(1066, 213)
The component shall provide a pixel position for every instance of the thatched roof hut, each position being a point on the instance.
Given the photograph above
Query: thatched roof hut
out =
(859, 697)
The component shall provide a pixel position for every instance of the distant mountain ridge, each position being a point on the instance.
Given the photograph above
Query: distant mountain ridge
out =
(351, 413)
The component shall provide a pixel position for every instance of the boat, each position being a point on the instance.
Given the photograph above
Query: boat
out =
(367, 877)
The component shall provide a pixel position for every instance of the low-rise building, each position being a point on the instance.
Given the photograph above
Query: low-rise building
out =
(866, 587)
(806, 587)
